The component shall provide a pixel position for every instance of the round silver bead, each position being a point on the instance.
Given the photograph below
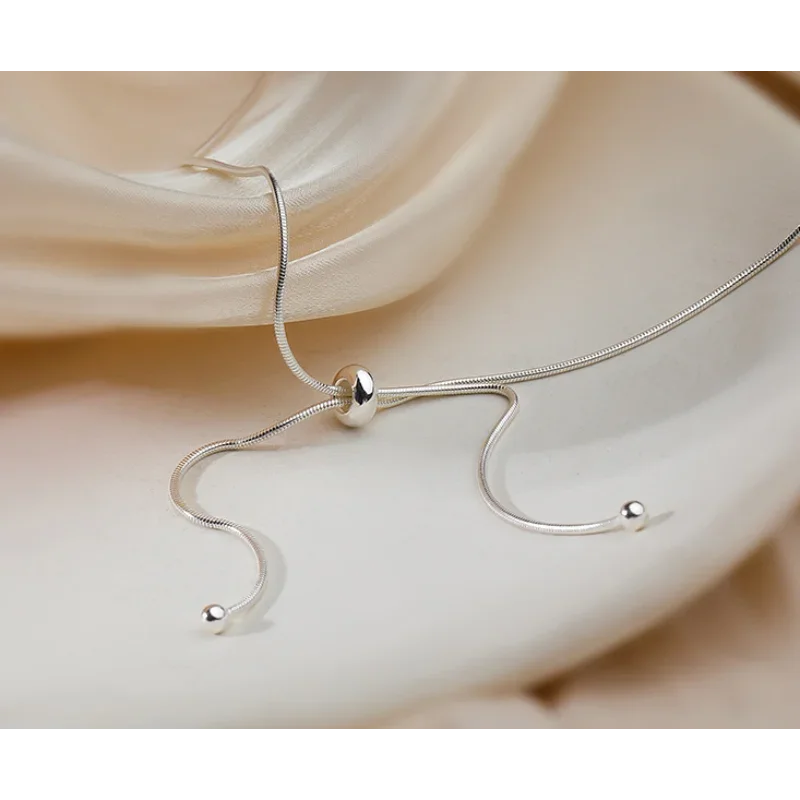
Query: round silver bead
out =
(215, 618)
(361, 393)
(633, 516)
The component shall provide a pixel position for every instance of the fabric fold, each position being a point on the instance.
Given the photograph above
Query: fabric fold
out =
(386, 179)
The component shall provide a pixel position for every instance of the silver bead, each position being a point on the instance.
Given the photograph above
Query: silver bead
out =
(633, 516)
(361, 392)
(215, 617)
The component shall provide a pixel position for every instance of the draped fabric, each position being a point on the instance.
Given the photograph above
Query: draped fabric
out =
(386, 177)
(480, 222)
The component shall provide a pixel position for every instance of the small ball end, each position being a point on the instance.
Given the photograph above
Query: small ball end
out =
(633, 516)
(215, 618)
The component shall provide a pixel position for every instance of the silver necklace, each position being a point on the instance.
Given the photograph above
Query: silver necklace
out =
(353, 396)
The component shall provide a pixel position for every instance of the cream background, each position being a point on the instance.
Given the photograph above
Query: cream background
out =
(631, 196)
(386, 177)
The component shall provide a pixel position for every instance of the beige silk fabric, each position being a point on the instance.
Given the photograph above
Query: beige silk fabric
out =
(729, 660)
(386, 177)
(579, 208)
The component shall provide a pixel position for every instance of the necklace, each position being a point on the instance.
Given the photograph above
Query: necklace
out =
(352, 395)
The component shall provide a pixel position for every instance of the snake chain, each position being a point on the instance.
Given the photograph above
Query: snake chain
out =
(341, 397)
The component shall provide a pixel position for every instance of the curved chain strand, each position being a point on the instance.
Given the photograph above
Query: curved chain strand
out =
(280, 287)
(218, 523)
(401, 394)
(497, 384)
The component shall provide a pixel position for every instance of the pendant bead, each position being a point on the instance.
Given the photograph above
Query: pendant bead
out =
(360, 389)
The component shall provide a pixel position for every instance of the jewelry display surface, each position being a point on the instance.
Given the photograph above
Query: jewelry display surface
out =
(392, 583)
